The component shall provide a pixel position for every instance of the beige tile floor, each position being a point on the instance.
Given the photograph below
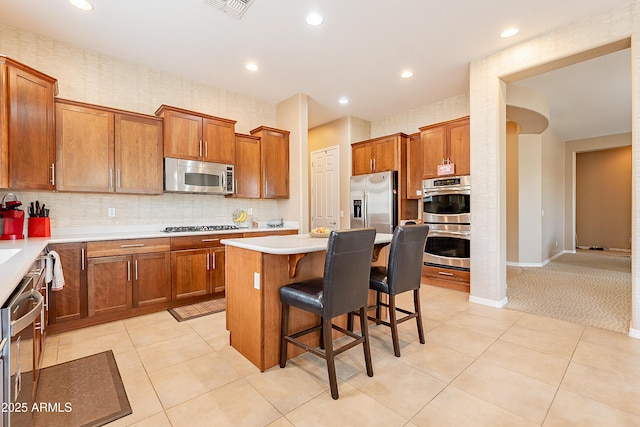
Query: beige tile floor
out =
(480, 366)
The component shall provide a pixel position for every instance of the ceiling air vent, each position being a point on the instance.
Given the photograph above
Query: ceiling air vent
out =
(235, 8)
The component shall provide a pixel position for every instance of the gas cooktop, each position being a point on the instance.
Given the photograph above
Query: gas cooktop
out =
(188, 228)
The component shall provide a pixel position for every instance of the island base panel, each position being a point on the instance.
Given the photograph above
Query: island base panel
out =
(253, 315)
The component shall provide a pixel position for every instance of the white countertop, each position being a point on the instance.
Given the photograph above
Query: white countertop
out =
(13, 269)
(292, 244)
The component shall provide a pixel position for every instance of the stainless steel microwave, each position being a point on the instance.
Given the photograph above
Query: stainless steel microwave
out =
(191, 176)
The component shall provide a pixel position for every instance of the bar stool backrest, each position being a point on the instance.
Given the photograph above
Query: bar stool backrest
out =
(404, 269)
(346, 271)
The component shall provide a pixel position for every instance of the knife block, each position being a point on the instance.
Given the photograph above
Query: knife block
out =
(39, 227)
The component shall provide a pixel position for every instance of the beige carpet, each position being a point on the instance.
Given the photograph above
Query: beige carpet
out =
(199, 309)
(593, 289)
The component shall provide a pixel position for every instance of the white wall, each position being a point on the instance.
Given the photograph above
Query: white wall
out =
(540, 198)
(293, 116)
(552, 174)
(410, 121)
(530, 199)
(487, 100)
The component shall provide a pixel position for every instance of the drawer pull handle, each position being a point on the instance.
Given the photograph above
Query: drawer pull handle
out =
(210, 240)
(133, 245)
(445, 274)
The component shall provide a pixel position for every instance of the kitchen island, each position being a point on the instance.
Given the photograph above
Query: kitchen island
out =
(256, 268)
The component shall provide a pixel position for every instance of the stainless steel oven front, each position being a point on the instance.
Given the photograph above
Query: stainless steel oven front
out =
(448, 246)
(447, 200)
(22, 322)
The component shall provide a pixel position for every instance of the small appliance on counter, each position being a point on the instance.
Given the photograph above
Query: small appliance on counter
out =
(12, 218)
(275, 223)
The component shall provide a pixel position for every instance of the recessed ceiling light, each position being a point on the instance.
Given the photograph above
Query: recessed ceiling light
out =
(252, 66)
(343, 100)
(509, 32)
(406, 74)
(314, 19)
(81, 4)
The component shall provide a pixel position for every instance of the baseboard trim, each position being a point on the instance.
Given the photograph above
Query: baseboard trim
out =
(488, 302)
(634, 333)
(538, 264)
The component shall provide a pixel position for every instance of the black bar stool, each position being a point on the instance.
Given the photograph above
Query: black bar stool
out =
(343, 288)
(403, 273)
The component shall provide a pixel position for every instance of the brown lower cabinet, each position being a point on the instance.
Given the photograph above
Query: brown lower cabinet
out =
(116, 279)
(119, 283)
(198, 265)
(71, 302)
(446, 278)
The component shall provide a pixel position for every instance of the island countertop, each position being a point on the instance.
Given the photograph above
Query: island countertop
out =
(291, 244)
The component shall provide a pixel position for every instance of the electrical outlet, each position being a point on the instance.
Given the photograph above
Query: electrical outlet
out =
(256, 280)
(111, 212)
(341, 214)
(250, 211)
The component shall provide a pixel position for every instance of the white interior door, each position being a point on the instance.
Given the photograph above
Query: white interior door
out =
(325, 188)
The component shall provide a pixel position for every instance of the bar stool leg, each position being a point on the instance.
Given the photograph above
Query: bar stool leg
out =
(364, 330)
(378, 305)
(331, 364)
(416, 305)
(394, 325)
(321, 337)
(284, 330)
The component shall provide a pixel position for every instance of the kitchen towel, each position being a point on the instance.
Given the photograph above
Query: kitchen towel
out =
(53, 271)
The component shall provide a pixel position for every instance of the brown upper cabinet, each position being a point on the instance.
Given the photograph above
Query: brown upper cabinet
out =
(376, 155)
(384, 154)
(446, 141)
(195, 136)
(106, 150)
(27, 132)
(274, 155)
(247, 167)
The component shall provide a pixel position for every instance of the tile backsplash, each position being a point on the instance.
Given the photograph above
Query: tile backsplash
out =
(80, 210)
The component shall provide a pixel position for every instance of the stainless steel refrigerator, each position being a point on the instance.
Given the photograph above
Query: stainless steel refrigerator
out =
(374, 201)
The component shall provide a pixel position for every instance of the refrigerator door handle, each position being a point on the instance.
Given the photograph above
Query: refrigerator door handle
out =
(364, 208)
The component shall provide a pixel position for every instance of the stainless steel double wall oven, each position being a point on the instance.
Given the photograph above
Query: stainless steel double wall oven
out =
(447, 210)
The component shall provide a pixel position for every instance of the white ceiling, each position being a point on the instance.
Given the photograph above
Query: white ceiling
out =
(588, 99)
(358, 52)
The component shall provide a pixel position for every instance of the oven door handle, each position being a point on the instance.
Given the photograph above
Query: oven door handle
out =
(21, 323)
(438, 233)
(449, 191)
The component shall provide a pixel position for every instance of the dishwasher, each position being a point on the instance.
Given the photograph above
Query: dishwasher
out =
(22, 326)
